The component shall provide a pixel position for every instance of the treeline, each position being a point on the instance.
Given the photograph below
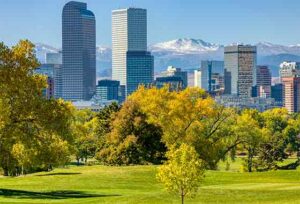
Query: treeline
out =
(154, 120)
(39, 134)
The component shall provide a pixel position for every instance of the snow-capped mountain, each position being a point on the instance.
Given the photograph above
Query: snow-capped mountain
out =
(267, 49)
(187, 53)
(185, 46)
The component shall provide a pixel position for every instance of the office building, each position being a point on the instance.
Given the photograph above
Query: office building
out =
(288, 69)
(78, 52)
(263, 81)
(54, 58)
(176, 72)
(108, 90)
(197, 78)
(132, 65)
(140, 70)
(291, 93)
(50, 71)
(210, 77)
(290, 78)
(277, 93)
(174, 83)
(240, 69)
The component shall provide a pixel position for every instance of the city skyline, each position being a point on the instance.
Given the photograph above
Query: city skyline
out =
(257, 21)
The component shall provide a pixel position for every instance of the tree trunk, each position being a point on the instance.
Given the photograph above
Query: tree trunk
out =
(5, 171)
(182, 196)
(250, 158)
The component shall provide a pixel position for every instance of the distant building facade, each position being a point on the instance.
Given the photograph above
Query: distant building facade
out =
(240, 69)
(54, 58)
(277, 93)
(288, 69)
(177, 72)
(174, 83)
(49, 70)
(260, 104)
(108, 90)
(78, 52)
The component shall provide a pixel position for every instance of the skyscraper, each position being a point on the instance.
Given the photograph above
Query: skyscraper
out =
(210, 77)
(263, 81)
(290, 78)
(240, 69)
(79, 52)
(132, 65)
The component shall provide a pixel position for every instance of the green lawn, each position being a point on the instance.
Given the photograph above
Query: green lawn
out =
(100, 184)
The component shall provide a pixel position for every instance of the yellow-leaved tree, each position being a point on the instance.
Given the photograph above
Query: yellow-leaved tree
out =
(183, 172)
(33, 130)
(190, 116)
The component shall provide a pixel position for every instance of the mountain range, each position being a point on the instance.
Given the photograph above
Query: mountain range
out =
(187, 53)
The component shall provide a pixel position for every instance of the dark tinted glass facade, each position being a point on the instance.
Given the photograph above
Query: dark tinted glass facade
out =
(140, 70)
(79, 52)
(108, 90)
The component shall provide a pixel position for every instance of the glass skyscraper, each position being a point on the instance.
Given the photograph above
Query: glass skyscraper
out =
(139, 70)
(210, 77)
(132, 65)
(240, 69)
(79, 52)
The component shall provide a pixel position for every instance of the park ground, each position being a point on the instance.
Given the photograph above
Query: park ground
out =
(138, 185)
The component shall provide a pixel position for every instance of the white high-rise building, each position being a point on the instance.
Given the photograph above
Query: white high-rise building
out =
(129, 38)
(197, 78)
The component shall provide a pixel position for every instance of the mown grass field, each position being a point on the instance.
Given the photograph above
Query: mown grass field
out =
(137, 184)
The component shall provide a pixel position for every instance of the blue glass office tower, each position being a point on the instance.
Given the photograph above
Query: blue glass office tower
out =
(211, 72)
(140, 70)
(79, 52)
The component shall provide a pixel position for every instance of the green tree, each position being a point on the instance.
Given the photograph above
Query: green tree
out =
(84, 130)
(248, 130)
(28, 122)
(274, 140)
(104, 121)
(132, 140)
(183, 172)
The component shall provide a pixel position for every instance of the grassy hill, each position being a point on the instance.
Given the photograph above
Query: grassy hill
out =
(137, 184)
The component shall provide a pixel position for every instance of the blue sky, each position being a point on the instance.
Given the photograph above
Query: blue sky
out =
(217, 21)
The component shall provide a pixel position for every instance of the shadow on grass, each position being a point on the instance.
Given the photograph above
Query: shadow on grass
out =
(49, 195)
(59, 174)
